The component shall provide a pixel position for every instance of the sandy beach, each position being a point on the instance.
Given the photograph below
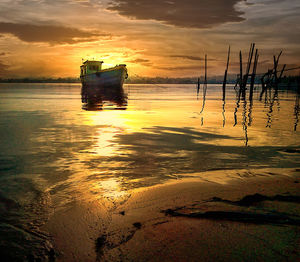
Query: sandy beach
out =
(253, 215)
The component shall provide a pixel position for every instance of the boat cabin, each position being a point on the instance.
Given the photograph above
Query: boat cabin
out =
(90, 67)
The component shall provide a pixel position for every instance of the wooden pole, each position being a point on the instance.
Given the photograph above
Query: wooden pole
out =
(281, 73)
(275, 70)
(248, 65)
(204, 85)
(253, 74)
(276, 62)
(279, 57)
(250, 50)
(285, 70)
(205, 79)
(241, 70)
(293, 68)
(225, 75)
(198, 86)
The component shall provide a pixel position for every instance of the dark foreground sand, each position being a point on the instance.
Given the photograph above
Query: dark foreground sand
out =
(252, 215)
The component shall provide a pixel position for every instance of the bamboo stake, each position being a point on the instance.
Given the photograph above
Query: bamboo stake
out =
(276, 62)
(275, 70)
(205, 79)
(225, 75)
(198, 86)
(281, 73)
(285, 70)
(248, 65)
(253, 74)
(241, 70)
(204, 85)
(279, 56)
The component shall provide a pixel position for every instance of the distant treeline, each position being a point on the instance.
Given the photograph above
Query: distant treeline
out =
(231, 79)
(130, 80)
(181, 80)
(290, 79)
(40, 80)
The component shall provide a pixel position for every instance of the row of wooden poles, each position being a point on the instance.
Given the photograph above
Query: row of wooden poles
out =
(242, 80)
(268, 80)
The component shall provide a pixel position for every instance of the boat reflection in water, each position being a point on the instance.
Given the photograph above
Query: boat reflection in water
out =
(98, 98)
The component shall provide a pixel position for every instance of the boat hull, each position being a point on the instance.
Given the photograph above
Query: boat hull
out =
(111, 78)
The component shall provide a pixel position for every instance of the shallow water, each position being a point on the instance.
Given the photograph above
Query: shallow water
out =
(56, 149)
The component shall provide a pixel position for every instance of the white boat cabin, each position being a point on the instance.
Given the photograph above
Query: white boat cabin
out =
(90, 67)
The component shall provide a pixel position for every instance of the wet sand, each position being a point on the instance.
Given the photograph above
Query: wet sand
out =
(252, 215)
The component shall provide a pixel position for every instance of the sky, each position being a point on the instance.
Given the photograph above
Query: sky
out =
(49, 38)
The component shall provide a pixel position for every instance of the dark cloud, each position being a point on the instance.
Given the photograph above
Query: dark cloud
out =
(188, 13)
(139, 60)
(48, 33)
(194, 58)
(144, 62)
(179, 68)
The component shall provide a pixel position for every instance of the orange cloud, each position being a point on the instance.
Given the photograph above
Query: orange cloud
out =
(3, 69)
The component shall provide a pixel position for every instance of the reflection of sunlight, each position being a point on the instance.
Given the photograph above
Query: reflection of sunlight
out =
(107, 118)
(116, 121)
(110, 124)
(111, 188)
(105, 145)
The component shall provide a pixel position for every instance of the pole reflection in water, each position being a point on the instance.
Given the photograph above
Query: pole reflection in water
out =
(204, 85)
(245, 125)
(238, 97)
(296, 111)
(244, 114)
(96, 99)
(271, 104)
(224, 92)
(267, 99)
(223, 113)
(250, 113)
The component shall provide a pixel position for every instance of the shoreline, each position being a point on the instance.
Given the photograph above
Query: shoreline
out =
(158, 223)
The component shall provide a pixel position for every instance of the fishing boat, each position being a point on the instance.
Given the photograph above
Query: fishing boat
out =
(94, 77)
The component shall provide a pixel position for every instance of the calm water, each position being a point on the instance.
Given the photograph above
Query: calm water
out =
(56, 149)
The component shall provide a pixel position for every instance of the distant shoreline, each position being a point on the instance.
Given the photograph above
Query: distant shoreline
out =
(40, 80)
(131, 80)
(140, 80)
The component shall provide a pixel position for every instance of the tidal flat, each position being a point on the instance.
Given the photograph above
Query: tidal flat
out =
(159, 175)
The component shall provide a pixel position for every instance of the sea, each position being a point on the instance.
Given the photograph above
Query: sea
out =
(60, 144)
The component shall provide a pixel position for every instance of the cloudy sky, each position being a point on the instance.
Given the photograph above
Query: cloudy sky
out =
(154, 38)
